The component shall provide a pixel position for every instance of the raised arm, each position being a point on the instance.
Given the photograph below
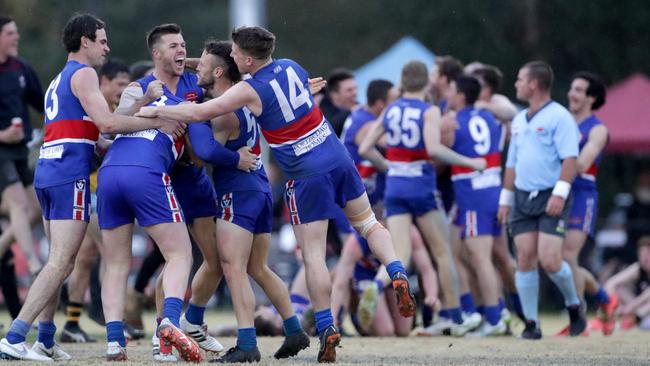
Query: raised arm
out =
(85, 87)
(595, 144)
(435, 149)
(367, 147)
(133, 99)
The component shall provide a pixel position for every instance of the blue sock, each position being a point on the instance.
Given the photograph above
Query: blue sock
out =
(46, 331)
(563, 279)
(172, 309)
(528, 286)
(601, 296)
(493, 314)
(246, 338)
(502, 303)
(427, 315)
(299, 299)
(444, 313)
(194, 314)
(481, 309)
(158, 321)
(455, 315)
(18, 331)
(291, 326)
(467, 303)
(516, 303)
(323, 320)
(115, 333)
(394, 268)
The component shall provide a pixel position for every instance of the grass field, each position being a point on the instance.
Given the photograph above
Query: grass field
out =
(622, 348)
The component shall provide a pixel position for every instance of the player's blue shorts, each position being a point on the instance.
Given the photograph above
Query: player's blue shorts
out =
(583, 211)
(125, 193)
(195, 194)
(477, 223)
(316, 198)
(375, 186)
(251, 210)
(67, 201)
(416, 206)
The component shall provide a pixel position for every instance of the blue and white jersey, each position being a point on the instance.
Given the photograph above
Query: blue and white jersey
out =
(153, 148)
(233, 179)
(410, 172)
(478, 136)
(300, 137)
(70, 135)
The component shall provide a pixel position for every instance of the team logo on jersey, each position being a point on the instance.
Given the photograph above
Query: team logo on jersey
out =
(80, 184)
(191, 96)
(79, 206)
(169, 189)
(226, 201)
(227, 213)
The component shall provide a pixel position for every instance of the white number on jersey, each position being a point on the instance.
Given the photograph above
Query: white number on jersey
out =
(160, 101)
(298, 95)
(403, 127)
(480, 132)
(52, 100)
(251, 125)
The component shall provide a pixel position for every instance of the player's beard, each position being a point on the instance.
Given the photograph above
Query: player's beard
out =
(206, 82)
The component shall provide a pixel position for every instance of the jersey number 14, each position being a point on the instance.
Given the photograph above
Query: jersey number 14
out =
(298, 95)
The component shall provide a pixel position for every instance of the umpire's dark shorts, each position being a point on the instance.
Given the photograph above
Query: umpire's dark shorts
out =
(528, 214)
(13, 171)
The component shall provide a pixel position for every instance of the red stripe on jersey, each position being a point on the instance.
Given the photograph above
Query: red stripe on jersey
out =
(593, 170)
(79, 199)
(295, 129)
(366, 171)
(493, 161)
(77, 215)
(406, 155)
(71, 129)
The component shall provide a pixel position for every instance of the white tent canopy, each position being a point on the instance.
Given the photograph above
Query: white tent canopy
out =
(389, 64)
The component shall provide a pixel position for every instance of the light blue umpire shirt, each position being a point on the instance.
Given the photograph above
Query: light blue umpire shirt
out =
(539, 144)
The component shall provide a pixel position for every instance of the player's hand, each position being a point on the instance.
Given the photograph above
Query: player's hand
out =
(172, 128)
(555, 206)
(154, 90)
(502, 214)
(148, 112)
(479, 164)
(247, 160)
(316, 84)
(12, 135)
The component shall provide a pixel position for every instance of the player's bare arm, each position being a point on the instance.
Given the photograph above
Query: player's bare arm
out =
(132, 98)
(85, 87)
(435, 148)
(239, 95)
(595, 144)
(226, 128)
(367, 147)
(626, 277)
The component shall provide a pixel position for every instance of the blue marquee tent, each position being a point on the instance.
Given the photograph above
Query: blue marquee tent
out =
(389, 64)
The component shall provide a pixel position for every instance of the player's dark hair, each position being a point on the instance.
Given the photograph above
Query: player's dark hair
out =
(491, 77)
(257, 42)
(221, 50)
(378, 91)
(4, 20)
(154, 35)
(336, 77)
(595, 89)
(139, 69)
(542, 72)
(449, 66)
(80, 25)
(643, 241)
(114, 67)
(414, 76)
(468, 86)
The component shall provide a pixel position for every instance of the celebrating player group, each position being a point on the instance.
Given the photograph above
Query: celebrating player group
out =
(383, 180)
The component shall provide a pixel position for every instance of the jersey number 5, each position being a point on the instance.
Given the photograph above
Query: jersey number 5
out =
(298, 95)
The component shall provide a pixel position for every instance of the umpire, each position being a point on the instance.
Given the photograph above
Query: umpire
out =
(540, 168)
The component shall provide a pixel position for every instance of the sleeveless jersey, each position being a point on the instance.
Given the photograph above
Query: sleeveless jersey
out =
(300, 137)
(588, 178)
(478, 136)
(70, 135)
(153, 148)
(410, 172)
(233, 179)
(372, 179)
